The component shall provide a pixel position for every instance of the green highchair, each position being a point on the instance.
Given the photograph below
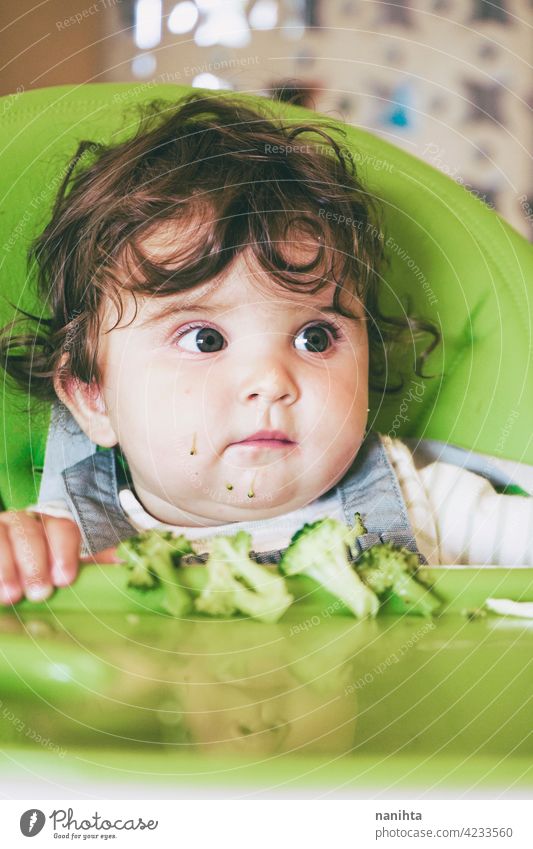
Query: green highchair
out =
(452, 259)
(103, 691)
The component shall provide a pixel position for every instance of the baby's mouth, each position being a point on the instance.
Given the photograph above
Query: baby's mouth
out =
(264, 439)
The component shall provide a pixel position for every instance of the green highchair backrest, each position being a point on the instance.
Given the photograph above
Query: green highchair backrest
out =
(458, 262)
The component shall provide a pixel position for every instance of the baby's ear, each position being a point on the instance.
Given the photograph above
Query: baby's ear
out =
(86, 403)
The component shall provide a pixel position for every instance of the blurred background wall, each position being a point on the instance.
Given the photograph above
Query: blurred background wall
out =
(448, 80)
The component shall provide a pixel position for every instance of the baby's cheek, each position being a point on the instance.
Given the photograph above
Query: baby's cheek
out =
(347, 421)
(347, 403)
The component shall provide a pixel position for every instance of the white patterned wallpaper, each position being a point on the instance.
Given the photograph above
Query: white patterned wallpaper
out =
(448, 80)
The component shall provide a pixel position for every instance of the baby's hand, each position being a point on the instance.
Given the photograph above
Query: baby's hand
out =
(37, 553)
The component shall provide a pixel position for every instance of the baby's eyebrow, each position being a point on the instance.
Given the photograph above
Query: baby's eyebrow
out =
(192, 306)
(178, 309)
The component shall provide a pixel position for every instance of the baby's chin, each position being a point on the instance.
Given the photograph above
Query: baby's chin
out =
(256, 503)
(253, 511)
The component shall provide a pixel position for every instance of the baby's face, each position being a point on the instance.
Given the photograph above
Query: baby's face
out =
(195, 375)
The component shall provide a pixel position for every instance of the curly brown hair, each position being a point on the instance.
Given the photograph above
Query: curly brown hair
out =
(256, 181)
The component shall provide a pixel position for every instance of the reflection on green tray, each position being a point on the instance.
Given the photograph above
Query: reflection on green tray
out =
(317, 686)
(223, 685)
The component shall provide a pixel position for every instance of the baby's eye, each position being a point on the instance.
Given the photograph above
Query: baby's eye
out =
(207, 340)
(316, 338)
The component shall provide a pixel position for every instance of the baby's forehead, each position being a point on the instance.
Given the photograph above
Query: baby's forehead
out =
(238, 297)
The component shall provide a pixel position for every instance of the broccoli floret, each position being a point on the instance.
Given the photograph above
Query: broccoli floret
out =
(387, 567)
(153, 560)
(320, 550)
(235, 583)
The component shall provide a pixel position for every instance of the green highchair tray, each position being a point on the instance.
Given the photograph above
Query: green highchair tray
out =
(100, 685)
(106, 589)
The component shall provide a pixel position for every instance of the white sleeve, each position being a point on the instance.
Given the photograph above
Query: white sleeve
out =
(58, 508)
(475, 524)
(419, 509)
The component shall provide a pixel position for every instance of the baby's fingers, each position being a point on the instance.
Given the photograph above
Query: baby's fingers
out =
(10, 589)
(107, 555)
(30, 553)
(64, 542)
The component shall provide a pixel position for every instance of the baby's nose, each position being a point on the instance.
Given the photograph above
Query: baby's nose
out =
(268, 383)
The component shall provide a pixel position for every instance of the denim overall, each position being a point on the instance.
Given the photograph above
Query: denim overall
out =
(91, 480)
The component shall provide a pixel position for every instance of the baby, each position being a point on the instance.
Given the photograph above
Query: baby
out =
(214, 328)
